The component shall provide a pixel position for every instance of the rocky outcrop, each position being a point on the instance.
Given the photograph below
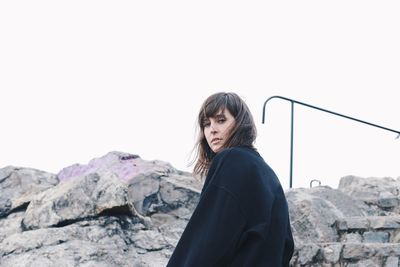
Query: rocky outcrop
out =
(121, 210)
(19, 185)
(356, 225)
(317, 209)
(381, 195)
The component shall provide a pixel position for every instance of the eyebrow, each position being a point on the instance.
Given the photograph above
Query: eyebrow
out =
(219, 115)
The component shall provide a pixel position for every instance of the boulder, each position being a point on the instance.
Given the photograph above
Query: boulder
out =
(118, 210)
(121, 210)
(381, 194)
(313, 212)
(19, 185)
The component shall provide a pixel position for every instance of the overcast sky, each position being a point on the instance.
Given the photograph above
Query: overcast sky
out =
(79, 79)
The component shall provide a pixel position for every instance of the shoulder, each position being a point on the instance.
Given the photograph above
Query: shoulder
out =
(243, 164)
(235, 163)
(237, 154)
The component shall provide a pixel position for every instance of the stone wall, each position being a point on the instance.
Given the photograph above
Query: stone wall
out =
(121, 210)
(357, 224)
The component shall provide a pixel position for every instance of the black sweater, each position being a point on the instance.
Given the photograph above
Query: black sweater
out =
(241, 219)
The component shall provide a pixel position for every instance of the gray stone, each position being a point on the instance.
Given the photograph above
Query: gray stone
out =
(383, 193)
(313, 213)
(307, 253)
(392, 262)
(143, 193)
(387, 200)
(347, 205)
(364, 263)
(357, 223)
(341, 225)
(176, 190)
(376, 237)
(73, 253)
(387, 249)
(11, 224)
(180, 195)
(91, 218)
(356, 251)
(331, 252)
(352, 238)
(19, 185)
(125, 166)
(149, 240)
(120, 210)
(77, 199)
(385, 222)
(103, 240)
(396, 237)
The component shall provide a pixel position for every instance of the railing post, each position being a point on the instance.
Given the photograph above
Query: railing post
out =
(291, 147)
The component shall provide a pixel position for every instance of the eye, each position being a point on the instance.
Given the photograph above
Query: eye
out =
(206, 124)
(221, 120)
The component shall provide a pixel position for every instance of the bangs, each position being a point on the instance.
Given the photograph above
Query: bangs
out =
(213, 106)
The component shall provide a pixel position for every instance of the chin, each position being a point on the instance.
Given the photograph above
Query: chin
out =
(217, 149)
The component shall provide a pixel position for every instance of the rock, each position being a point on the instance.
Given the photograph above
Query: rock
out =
(308, 253)
(108, 241)
(124, 165)
(331, 252)
(396, 238)
(19, 185)
(387, 200)
(143, 193)
(376, 237)
(180, 192)
(356, 251)
(170, 193)
(314, 211)
(11, 224)
(120, 210)
(149, 240)
(381, 193)
(352, 238)
(392, 262)
(385, 222)
(172, 231)
(84, 197)
(352, 223)
(347, 205)
(153, 186)
(364, 263)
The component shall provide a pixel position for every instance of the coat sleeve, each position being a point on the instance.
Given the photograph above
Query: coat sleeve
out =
(213, 231)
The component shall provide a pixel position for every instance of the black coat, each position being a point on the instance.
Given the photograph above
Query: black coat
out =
(241, 219)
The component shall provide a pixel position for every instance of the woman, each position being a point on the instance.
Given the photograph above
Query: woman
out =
(242, 217)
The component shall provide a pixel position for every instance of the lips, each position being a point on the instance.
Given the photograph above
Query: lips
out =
(215, 140)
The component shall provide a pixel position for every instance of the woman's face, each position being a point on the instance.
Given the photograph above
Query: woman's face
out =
(217, 129)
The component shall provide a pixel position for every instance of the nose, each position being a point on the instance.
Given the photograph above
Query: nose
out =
(213, 128)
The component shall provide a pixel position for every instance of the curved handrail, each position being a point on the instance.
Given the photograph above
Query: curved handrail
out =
(292, 101)
(325, 110)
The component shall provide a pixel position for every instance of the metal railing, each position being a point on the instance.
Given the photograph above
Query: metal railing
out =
(292, 101)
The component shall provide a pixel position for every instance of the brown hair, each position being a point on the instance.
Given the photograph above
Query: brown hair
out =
(243, 133)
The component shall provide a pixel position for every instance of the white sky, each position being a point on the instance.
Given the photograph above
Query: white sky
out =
(79, 79)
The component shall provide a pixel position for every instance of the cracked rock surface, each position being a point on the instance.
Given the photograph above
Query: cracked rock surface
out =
(119, 210)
